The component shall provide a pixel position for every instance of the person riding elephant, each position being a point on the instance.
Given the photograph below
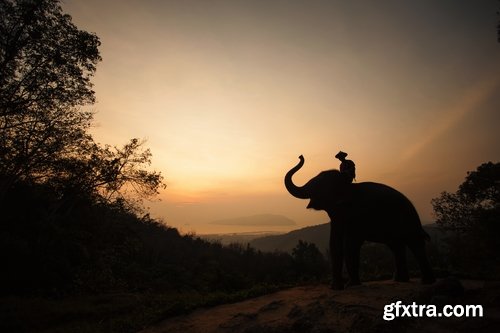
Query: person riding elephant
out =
(348, 172)
(347, 167)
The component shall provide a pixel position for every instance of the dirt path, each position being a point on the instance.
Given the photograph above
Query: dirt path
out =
(320, 309)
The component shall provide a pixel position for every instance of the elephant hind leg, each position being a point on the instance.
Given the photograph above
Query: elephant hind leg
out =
(352, 251)
(418, 249)
(401, 272)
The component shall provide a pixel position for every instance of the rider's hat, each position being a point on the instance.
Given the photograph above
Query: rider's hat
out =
(341, 155)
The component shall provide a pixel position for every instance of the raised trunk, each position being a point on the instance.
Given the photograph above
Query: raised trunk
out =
(296, 191)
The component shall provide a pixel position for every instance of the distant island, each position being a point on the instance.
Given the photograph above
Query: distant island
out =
(260, 220)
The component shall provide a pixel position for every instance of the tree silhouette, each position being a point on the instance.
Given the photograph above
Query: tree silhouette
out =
(107, 174)
(498, 24)
(308, 260)
(473, 213)
(45, 68)
(46, 64)
(476, 198)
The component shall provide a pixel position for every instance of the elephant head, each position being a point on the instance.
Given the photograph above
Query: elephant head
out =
(322, 190)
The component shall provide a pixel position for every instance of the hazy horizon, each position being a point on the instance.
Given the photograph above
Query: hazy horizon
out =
(229, 93)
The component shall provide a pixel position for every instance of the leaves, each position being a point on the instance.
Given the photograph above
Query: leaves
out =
(46, 64)
(473, 214)
(478, 194)
(45, 68)
(308, 259)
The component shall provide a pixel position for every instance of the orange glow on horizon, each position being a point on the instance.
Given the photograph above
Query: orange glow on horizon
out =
(229, 93)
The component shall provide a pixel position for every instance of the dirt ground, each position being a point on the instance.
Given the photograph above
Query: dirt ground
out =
(357, 309)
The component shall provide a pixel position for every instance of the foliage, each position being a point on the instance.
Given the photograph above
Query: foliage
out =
(473, 213)
(46, 64)
(45, 68)
(111, 312)
(498, 24)
(308, 260)
(376, 262)
(100, 247)
(67, 223)
(476, 201)
(133, 269)
(107, 173)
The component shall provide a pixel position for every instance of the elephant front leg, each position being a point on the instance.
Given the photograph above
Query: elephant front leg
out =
(352, 249)
(336, 256)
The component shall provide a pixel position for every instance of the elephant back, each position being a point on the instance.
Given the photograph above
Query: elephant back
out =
(384, 212)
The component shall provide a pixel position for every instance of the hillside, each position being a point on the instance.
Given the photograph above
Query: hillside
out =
(360, 309)
(319, 235)
(237, 237)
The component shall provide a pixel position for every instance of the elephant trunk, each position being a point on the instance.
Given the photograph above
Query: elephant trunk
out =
(296, 191)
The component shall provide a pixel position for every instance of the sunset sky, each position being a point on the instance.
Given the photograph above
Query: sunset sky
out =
(228, 93)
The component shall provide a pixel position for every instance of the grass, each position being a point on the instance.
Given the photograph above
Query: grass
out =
(113, 312)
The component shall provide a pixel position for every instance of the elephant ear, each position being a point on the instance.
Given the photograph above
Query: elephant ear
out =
(322, 190)
(327, 179)
(330, 183)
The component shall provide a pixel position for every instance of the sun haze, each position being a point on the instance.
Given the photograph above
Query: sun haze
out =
(228, 94)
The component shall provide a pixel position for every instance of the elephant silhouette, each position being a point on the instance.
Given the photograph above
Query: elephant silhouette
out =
(361, 212)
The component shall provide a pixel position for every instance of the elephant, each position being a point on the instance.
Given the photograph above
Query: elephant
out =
(359, 212)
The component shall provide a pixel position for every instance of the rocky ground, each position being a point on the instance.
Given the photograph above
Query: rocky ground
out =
(357, 309)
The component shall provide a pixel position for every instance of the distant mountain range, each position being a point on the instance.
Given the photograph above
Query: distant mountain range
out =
(261, 220)
(317, 234)
(241, 238)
